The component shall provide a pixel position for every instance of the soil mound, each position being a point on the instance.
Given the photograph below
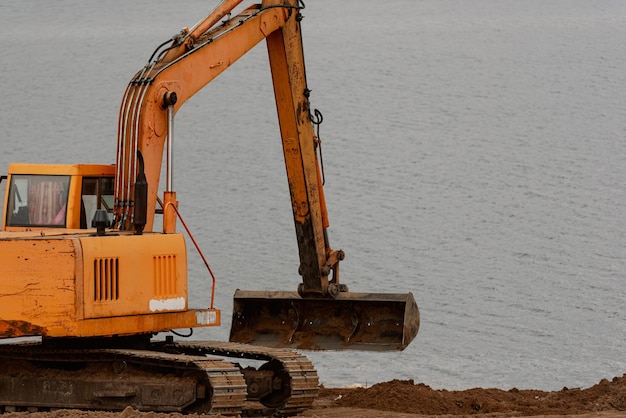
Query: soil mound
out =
(405, 396)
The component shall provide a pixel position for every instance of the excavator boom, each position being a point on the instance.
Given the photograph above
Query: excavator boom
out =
(195, 58)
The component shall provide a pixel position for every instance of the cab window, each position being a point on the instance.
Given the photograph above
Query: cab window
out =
(97, 193)
(37, 200)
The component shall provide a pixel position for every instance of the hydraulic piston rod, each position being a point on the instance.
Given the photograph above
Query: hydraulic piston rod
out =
(169, 196)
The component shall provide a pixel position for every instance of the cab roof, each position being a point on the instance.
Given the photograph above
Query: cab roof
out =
(62, 169)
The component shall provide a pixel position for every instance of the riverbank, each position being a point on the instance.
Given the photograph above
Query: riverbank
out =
(406, 399)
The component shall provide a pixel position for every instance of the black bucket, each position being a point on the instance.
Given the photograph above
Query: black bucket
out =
(351, 321)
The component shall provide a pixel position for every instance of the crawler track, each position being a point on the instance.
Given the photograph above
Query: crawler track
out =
(164, 377)
(299, 383)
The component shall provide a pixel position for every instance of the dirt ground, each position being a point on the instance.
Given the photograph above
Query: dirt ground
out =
(404, 399)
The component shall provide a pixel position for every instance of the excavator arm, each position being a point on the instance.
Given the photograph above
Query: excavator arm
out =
(299, 148)
(322, 313)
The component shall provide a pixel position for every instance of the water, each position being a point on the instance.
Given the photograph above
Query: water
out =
(474, 154)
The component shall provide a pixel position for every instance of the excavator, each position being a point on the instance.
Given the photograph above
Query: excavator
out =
(89, 286)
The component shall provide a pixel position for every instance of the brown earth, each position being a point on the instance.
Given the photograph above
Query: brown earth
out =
(402, 398)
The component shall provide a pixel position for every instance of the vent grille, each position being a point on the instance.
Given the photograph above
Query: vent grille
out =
(164, 276)
(106, 279)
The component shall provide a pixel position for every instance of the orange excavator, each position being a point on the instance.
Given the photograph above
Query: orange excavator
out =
(82, 268)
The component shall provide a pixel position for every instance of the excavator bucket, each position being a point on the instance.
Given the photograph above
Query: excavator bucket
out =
(351, 321)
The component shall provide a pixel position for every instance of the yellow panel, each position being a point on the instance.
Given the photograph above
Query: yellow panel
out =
(37, 285)
(126, 274)
(132, 285)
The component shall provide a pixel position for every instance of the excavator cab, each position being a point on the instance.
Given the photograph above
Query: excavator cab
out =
(56, 196)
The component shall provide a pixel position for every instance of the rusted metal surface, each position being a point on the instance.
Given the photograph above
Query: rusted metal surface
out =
(355, 321)
(13, 329)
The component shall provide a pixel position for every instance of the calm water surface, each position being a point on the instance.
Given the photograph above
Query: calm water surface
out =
(474, 153)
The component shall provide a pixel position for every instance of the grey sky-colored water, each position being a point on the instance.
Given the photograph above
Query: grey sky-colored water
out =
(474, 155)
